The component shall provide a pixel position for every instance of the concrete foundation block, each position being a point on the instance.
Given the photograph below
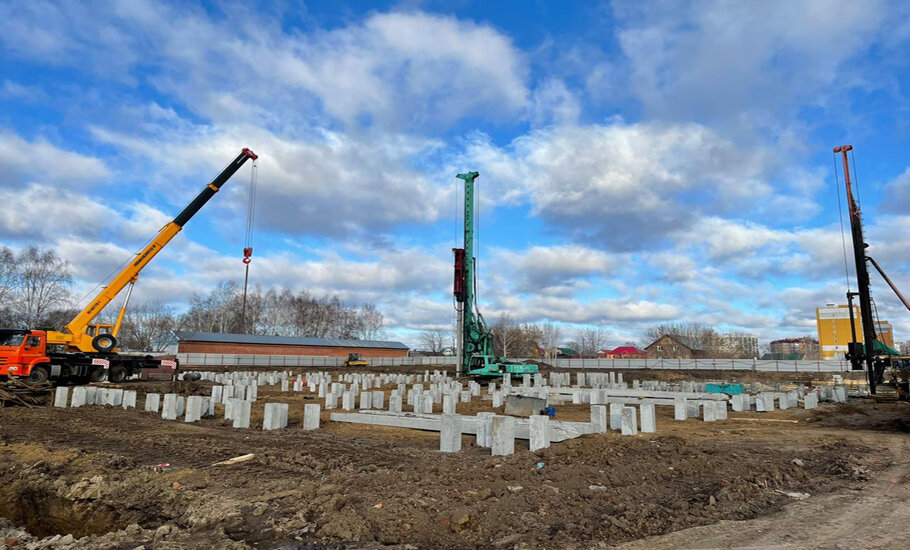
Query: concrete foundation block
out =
(378, 400)
(484, 434)
(427, 404)
(240, 413)
(740, 403)
(181, 405)
(497, 399)
(395, 403)
(680, 410)
(229, 407)
(709, 412)
(720, 410)
(152, 402)
(616, 416)
(129, 399)
(539, 430)
(465, 397)
(276, 416)
(91, 395)
(169, 407)
(347, 400)
(598, 419)
(366, 400)
(810, 400)
(114, 397)
(840, 394)
(61, 396)
(448, 404)
(648, 414)
(503, 436)
(80, 397)
(450, 433)
(629, 419)
(769, 401)
(193, 408)
(784, 400)
(311, 416)
(217, 392)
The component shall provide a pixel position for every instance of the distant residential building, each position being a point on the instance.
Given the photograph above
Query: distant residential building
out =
(835, 332)
(622, 352)
(740, 345)
(885, 332)
(673, 347)
(794, 348)
(905, 348)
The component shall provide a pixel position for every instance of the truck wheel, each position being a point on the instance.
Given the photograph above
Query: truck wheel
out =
(39, 375)
(117, 374)
(98, 375)
(104, 342)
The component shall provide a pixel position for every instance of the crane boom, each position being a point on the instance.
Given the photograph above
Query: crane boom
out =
(77, 333)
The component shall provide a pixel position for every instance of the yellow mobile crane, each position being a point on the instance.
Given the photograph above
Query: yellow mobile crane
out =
(85, 351)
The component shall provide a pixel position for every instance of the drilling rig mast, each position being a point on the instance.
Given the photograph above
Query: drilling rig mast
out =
(474, 354)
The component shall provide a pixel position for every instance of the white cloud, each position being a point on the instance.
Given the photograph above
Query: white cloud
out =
(24, 161)
(554, 103)
(43, 212)
(743, 63)
(622, 186)
(553, 269)
(897, 193)
(398, 69)
(334, 184)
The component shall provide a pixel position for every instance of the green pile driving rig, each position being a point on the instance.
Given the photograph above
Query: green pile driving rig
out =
(475, 355)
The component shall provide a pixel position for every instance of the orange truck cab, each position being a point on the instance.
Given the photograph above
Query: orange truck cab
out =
(21, 351)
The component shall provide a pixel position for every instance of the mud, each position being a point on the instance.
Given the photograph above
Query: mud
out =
(111, 478)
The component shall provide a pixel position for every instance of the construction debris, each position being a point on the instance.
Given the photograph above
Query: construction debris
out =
(17, 392)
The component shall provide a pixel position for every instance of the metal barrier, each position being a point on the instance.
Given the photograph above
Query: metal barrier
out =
(235, 360)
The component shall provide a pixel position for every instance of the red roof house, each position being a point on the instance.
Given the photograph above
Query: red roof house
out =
(622, 352)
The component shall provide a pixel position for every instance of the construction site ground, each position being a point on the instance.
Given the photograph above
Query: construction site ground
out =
(102, 477)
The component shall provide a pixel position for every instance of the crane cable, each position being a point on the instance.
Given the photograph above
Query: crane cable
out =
(840, 212)
(248, 239)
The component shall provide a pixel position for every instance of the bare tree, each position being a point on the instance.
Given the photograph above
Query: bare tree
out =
(145, 327)
(591, 340)
(434, 340)
(371, 322)
(551, 335)
(9, 279)
(506, 336)
(42, 284)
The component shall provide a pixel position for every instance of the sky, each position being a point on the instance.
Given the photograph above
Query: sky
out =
(640, 162)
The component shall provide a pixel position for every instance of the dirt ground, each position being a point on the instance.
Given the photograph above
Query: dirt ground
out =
(101, 477)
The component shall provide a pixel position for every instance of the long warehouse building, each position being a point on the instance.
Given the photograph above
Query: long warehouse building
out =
(255, 344)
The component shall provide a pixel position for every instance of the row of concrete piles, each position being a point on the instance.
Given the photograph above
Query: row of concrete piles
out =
(613, 405)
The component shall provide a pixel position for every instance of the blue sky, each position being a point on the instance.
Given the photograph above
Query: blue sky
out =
(640, 162)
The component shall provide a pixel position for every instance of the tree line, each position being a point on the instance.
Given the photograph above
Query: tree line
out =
(540, 340)
(36, 293)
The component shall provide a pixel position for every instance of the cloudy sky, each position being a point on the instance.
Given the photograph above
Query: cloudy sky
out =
(640, 162)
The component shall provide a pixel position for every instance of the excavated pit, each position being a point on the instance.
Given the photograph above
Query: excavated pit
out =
(43, 514)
